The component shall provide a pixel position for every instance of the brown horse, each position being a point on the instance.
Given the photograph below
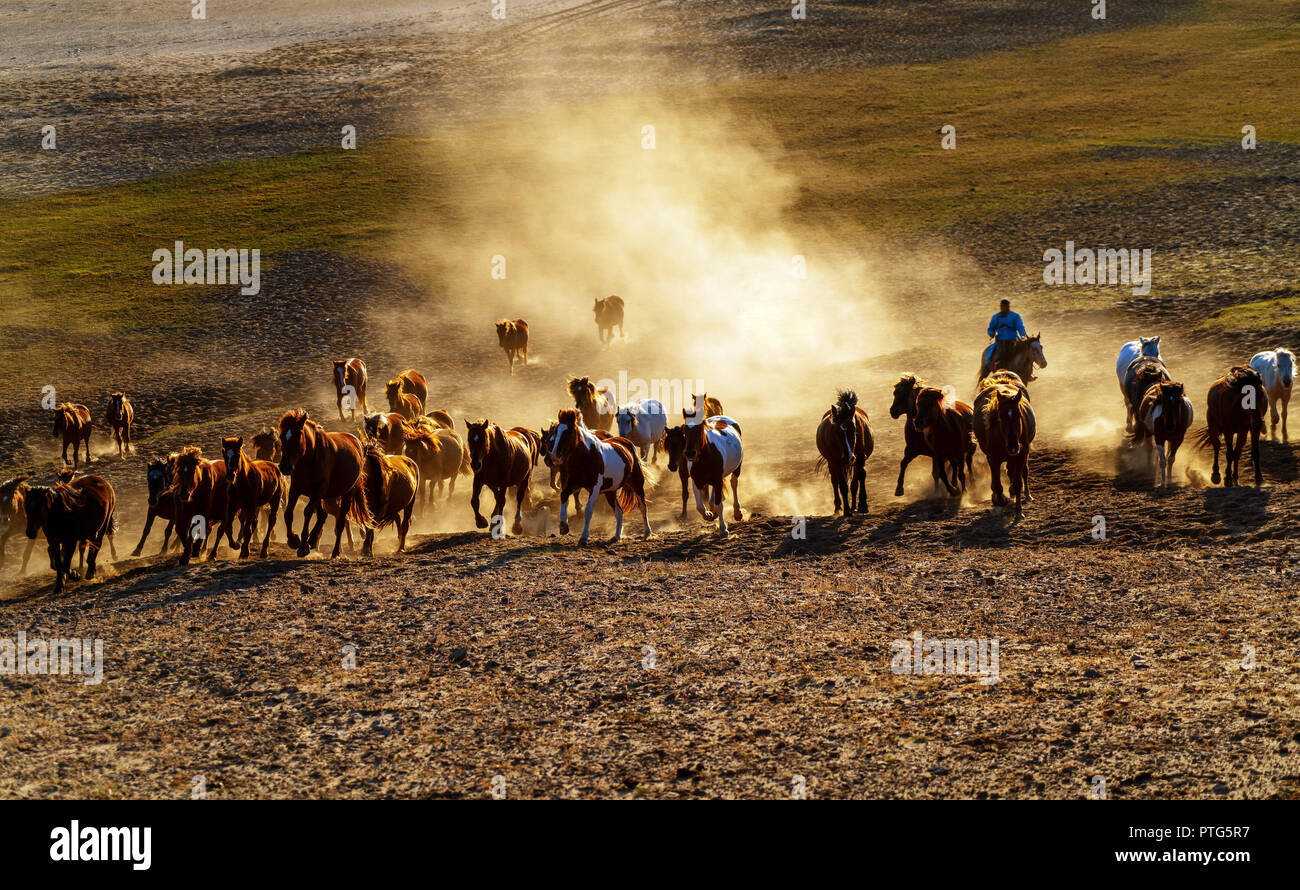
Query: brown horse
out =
(512, 336)
(326, 469)
(597, 406)
(350, 382)
(1143, 372)
(1163, 416)
(845, 442)
(598, 466)
(160, 478)
(675, 447)
(201, 491)
(72, 516)
(609, 315)
(13, 513)
(412, 382)
(904, 405)
(701, 402)
(441, 456)
(389, 430)
(442, 419)
(946, 424)
(405, 404)
(266, 446)
(715, 452)
(120, 415)
(253, 485)
(500, 460)
(72, 422)
(1023, 356)
(388, 490)
(1005, 427)
(1237, 406)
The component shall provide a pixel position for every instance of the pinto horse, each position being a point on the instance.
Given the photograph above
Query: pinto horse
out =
(946, 425)
(388, 490)
(389, 430)
(326, 469)
(1163, 416)
(1142, 346)
(1276, 368)
(558, 471)
(598, 466)
(72, 516)
(643, 422)
(201, 490)
(266, 446)
(1142, 373)
(441, 456)
(609, 315)
(845, 442)
(72, 422)
(1005, 427)
(405, 404)
(253, 485)
(1237, 404)
(715, 452)
(703, 406)
(160, 478)
(512, 336)
(500, 460)
(13, 513)
(904, 405)
(120, 416)
(1024, 356)
(351, 373)
(597, 406)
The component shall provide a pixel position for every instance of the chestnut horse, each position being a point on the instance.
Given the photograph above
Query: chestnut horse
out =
(266, 446)
(500, 460)
(715, 451)
(351, 373)
(401, 402)
(388, 490)
(597, 406)
(441, 456)
(609, 315)
(326, 469)
(201, 490)
(120, 416)
(13, 513)
(702, 407)
(389, 430)
(412, 382)
(946, 424)
(72, 515)
(1005, 427)
(1163, 416)
(512, 336)
(1237, 404)
(442, 419)
(253, 485)
(160, 477)
(845, 442)
(598, 466)
(72, 422)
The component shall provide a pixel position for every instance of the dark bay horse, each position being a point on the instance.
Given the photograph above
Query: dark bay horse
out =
(512, 336)
(201, 491)
(845, 442)
(598, 407)
(1163, 416)
(326, 469)
(350, 381)
(160, 478)
(946, 423)
(904, 405)
(1237, 404)
(609, 315)
(500, 460)
(1023, 356)
(675, 447)
(72, 422)
(13, 513)
(598, 466)
(254, 485)
(1005, 427)
(388, 490)
(76, 514)
(120, 417)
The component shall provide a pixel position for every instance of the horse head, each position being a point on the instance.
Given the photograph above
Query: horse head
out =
(504, 328)
(904, 396)
(11, 497)
(116, 408)
(694, 445)
(476, 439)
(1285, 366)
(626, 419)
(929, 402)
(40, 501)
(64, 418)
(159, 477)
(266, 446)
(188, 472)
(675, 445)
(1170, 400)
(1005, 407)
(1035, 347)
(231, 449)
(340, 373)
(1149, 346)
(844, 414)
(565, 437)
(293, 428)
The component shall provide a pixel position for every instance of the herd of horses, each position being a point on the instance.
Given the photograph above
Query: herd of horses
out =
(375, 476)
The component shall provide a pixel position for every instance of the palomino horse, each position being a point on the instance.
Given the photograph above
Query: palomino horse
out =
(389, 487)
(715, 452)
(13, 513)
(512, 336)
(389, 430)
(266, 446)
(350, 382)
(1277, 369)
(1005, 427)
(1236, 408)
(500, 460)
(412, 382)
(702, 408)
(597, 406)
(72, 515)
(598, 466)
(160, 478)
(201, 491)
(326, 469)
(405, 404)
(609, 315)
(120, 416)
(1025, 355)
(1141, 374)
(946, 425)
(254, 485)
(1163, 416)
(1149, 346)
(643, 423)
(904, 405)
(441, 456)
(72, 422)
(845, 442)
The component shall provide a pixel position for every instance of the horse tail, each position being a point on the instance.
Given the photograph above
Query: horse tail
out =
(464, 468)
(1202, 438)
(369, 492)
(631, 495)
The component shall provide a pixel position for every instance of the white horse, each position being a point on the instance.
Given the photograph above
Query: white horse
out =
(1129, 351)
(644, 423)
(1277, 367)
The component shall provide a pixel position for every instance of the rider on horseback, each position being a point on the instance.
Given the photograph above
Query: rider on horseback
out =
(1006, 328)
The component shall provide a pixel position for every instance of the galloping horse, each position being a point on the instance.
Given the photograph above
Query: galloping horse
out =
(201, 490)
(160, 478)
(266, 446)
(1141, 374)
(512, 336)
(1025, 354)
(1276, 368)
(442, 419)
(715, 451)
(13, 513)
(72, 516)
(390, 484)
(389, 430)
(675, 447)
(441, 456)
(598, 407)
(609, 315)
(946, 425)
(351, 373)
(643, 423)
(412, 381)
(845, 442)
(1163, 416)
(253, 485)
(500, 460)
(1148, 346)
(904, 405)
(120, 416)
(1236, 407)
(558, 471)
(72, 422)
(405, 404)
(702, 408)
(598, 466)
(326, 468)
(1005, 427)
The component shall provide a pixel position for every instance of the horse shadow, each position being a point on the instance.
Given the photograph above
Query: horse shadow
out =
(1279, 460)
(933, 508)
(1246, 504)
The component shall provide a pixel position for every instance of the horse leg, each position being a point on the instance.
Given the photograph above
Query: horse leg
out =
(308, 538)
(27, 554)
(908, 455)
(699, 502)
(1272, 408)
(340, 523)
(167, 534)
(837, 479)
(1286, 398)
(715, 504)
(90, 560)
(1159, 447)
(65, 452)
(404, 526)
(128, 438)
(148, 524)
(88, 457)
(591, 508)
(338, 401)
(860, 487)
(565, 494)
(290, 504)
(995, 470)
(1254, 456)
(1214, 440)
(246, 534)
(479, 521)
(614, 505)
(736, 512)
(521, 494)
(368, 545)
(686, 481)
(499, 504)
(1016, 470)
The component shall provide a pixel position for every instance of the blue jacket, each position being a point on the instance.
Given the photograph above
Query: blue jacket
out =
(1007, 327)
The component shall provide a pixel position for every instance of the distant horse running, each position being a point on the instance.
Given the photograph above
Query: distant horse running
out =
(702, 408)
(597, 406)
(389, 430)
(201, 503)
(904, 405)
(1236, 404)
(1005, 427)
(120, 416)
(254, 485)
(1142, 346)
(1024, 356)
(402, 402)
(160, 478)
(643, 423)
(946, 424)
(598, 466)
(500, 460)
(715, 452)
(266, 446)
(1277, 369)
(845, 442)
(512, 336)
(350, 381)
(72, 515)
(441, 456)
(1163, 417)
(609, 315)
(326, 469)
(412, 381)
(13, 513)
(390, 484)
(1141, 374)
(72, 422)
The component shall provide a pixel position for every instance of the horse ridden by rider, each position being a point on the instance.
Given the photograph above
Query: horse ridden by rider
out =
(1012, 349)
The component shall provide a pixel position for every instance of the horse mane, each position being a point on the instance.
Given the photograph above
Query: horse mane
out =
(11, 485)
(193, 451)
(1239, 375)
(846, 399)
(422, 436)
(579, 385)
(294, 414)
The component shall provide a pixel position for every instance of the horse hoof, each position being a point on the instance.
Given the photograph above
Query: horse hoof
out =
(480, 522)
(583, 540)
(303, 550)
(898, 492)
(564, 528)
